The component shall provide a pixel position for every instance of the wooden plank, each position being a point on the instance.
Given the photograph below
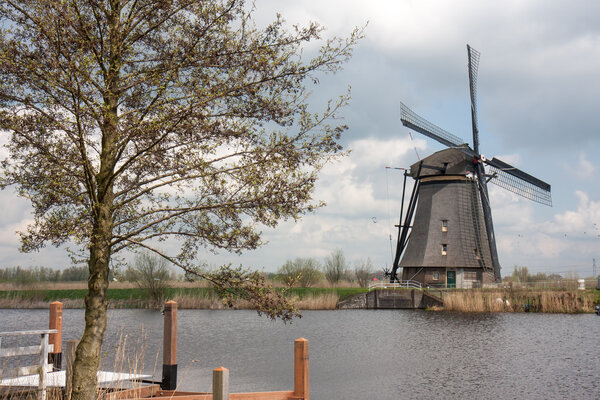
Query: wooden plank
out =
(262, 396)
(23, 333)
(70, 358)
(20, 351)
(43, 362)
(175, 396)
(24, 371)
(197, 396)
(157, 394)
(170, 394)
(141, 392)
(32, 369)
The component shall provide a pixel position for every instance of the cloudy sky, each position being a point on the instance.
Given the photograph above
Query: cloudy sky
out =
(538, 92)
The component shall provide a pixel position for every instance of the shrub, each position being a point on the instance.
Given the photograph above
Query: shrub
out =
(304, 272)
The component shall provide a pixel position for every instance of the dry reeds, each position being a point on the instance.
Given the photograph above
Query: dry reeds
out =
(481, 300)
(200, 302)
(326, 301)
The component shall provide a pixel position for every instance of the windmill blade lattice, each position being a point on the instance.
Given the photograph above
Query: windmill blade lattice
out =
(519, 182)
(473, 68)
(414, 121)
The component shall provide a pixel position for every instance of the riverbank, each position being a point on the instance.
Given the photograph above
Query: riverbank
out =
(189, 297)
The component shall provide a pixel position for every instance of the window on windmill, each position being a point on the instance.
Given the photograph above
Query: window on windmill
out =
(436, 276)
(477, 257)
(444, 249)
(444, 225)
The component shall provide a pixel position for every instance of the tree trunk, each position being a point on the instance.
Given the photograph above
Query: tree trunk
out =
(88, 351)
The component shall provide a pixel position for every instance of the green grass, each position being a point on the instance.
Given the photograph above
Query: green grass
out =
(49, 295)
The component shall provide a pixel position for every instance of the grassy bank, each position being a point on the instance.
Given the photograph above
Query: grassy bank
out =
(186, 297)
(523, 300)
(319, 298)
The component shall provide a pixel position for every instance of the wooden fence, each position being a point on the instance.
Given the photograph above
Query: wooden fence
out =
(42, 367)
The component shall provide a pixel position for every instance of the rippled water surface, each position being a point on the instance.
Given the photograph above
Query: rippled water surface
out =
(366, 354)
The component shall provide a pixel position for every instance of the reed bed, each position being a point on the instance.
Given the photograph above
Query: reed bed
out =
(518, 301)
(328, 301)
(201, 301)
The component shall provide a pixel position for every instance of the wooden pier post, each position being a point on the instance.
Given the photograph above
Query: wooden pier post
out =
(56, 321)
(169, 375)
(70, 358)
(301, 386)
(220, 384)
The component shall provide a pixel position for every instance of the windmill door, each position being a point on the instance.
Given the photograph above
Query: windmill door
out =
(450, 279)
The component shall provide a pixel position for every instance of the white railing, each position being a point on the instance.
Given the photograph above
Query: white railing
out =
(42, 367)
(395, 285)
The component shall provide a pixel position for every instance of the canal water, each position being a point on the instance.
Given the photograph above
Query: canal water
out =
(364, 354)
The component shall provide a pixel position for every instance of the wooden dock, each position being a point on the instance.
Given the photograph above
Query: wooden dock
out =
(47, 372)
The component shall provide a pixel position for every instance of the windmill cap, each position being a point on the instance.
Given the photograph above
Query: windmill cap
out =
(444, 162)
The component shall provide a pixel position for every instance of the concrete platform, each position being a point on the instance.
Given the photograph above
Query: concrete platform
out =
(401, 299)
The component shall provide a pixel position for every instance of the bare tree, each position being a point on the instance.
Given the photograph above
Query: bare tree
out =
(152, 274)
(135, 121)
(363, 272)
(335, 267)
(520, 274)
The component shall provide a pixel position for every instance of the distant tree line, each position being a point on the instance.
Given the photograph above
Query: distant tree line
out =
(152, 273)
(522, 275)
(307, 272)
(21, 275)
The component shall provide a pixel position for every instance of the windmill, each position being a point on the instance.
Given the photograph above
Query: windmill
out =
(446, 237)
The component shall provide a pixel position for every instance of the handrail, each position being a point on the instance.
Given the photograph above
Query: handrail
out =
(23, 333)
(42, 351)
(395, 285)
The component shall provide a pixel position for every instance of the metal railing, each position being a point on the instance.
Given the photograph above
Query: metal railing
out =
(396, 285)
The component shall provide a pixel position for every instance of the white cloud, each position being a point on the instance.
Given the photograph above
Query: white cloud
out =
(375, 152)
(585, 169)
(585, 220)
(9, 236)
(570, 240)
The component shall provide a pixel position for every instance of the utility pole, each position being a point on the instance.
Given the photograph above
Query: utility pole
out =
(594, 266)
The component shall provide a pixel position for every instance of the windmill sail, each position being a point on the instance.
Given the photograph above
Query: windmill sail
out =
(473, 67)
(414, 121)
(513, 179)
(473, 56)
